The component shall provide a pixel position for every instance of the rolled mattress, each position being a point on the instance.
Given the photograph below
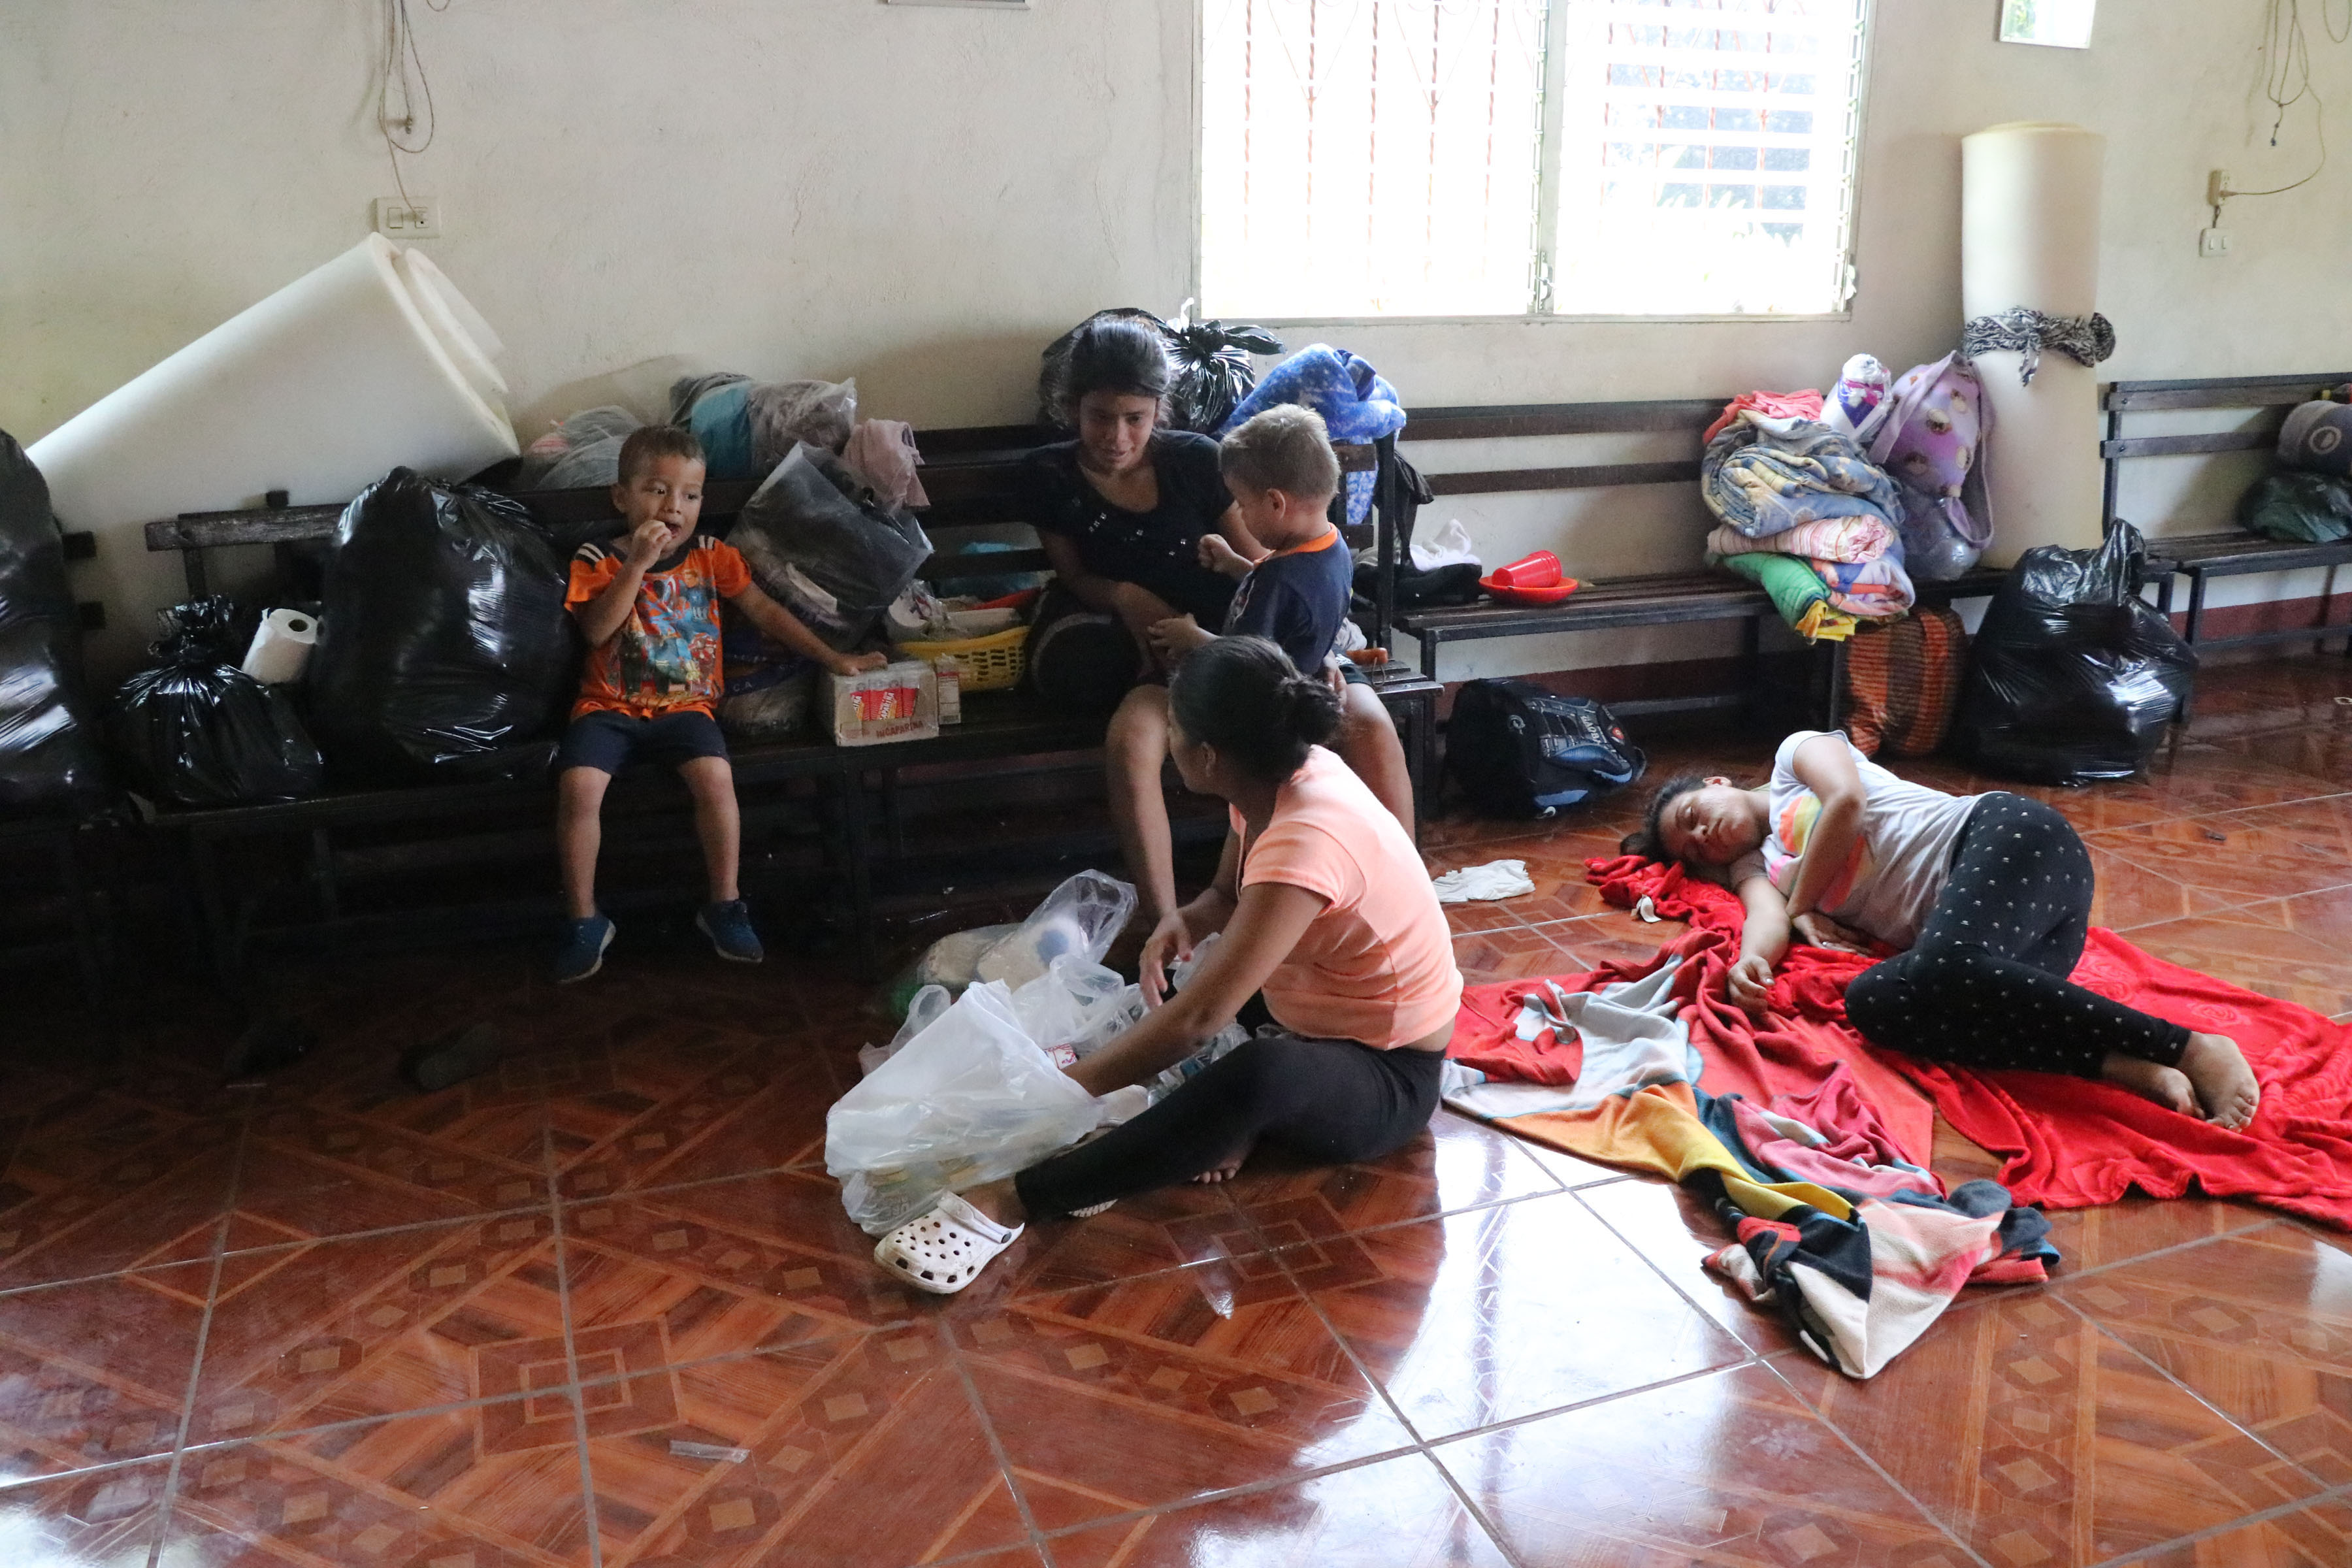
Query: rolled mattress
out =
(319, 390)
(2029, 236)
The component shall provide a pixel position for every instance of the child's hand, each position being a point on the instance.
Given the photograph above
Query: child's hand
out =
(1818, 930)
(1752, 982)
(856, 663)
(647, 543)
(1217, 554)
(1174, 638)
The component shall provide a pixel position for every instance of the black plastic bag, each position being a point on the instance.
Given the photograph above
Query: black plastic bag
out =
(198, 731)
(49, 754)
(826, 548)
(2308, 509)
(445, 650)
(2073, 677)
(1209, 364)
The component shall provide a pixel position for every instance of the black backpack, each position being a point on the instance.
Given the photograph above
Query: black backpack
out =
(1520, 750)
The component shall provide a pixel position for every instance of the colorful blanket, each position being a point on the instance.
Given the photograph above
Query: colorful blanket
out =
(1764, 476)
(1355, 402)
(2069, 1142)
(1813, 1159)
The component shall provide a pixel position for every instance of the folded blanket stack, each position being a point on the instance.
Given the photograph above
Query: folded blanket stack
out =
(1805, 513)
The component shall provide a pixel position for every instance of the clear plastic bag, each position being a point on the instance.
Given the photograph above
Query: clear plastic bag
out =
(580, 453)
(922, 1014)
(1083, 916)
(1171, 1079)
(969, 1099)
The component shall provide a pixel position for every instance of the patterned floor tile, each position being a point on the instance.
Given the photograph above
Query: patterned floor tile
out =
(372, 1325)
(702, 1290)
(1457, 1163)
(1396, 1513)
(1515, 952)
(756, 1106)
(2315, 972)
(1720, 1469)
(1676, 1232)
(74, 1209)
(1503, 1312)
(96, 1371)
(1486, 914)
(2130, 897)
(103, 1519)
(2053, 1442)
(860, 1453)
(1151, 1391)
(2238, 855)
(494, 1486)
(2317, 1537)
(1614, 938)
(2259, 1324)
(320, 1173)
(2136, 1225)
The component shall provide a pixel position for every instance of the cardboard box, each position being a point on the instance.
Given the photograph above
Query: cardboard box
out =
(898, 703)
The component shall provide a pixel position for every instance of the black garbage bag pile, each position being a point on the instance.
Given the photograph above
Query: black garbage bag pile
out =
(197, 731)
(49, 753)
(1208, 361)
(444, 650)
(2073, 677)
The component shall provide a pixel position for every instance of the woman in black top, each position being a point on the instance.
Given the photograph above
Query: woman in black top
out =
(1121, 509)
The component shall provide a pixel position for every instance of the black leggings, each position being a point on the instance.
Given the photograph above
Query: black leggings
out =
(1331, 1101)
(1985, 985)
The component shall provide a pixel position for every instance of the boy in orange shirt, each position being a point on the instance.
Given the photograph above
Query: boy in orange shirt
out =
(649, 604)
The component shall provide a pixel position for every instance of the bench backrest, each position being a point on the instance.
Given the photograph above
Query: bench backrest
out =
(2271, 395)
(1501, 421)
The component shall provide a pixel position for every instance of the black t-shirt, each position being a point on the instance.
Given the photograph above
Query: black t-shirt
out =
(1157, 550)
(1296, 599)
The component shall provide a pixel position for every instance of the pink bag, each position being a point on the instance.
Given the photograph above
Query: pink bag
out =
(1933, 446)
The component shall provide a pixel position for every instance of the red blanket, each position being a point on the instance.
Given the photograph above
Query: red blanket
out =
(2067, 1142)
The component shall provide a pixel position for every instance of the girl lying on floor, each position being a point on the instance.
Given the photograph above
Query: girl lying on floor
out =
(1987, 898)
(1325, 908)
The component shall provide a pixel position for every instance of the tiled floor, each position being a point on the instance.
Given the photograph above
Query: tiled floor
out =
(604, 1307)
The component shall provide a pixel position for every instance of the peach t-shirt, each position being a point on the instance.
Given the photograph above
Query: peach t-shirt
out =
(1377, 965)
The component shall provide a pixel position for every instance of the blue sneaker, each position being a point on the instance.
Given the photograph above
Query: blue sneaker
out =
(582, 952)
(729, 927)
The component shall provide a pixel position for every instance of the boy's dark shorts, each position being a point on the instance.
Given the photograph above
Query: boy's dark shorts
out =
(608, 742)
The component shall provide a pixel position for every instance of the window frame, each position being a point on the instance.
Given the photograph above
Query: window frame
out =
(1548, 187)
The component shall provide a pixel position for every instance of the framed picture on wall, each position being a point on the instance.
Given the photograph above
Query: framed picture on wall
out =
(2060, 23)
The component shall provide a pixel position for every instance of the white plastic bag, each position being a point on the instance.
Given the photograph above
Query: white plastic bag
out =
(1084, 916)
(922, 1014)
(971, 1098)
(1067, 1003)
(1233, 1034)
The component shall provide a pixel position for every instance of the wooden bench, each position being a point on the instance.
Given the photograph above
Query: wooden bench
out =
(1651, 599)
(790, 792)
(2231, 553)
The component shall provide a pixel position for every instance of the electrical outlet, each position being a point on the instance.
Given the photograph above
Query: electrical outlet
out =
(2212, 242)
(2216, 187)
(415, 217)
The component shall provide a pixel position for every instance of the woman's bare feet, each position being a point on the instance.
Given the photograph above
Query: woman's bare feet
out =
(2225, 1085)
(1224, 1170)
(2169, 1087)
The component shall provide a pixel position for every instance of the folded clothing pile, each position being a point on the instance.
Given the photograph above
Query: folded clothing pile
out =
(1805, 514)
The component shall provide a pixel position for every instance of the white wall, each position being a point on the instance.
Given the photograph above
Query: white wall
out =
(924, 197)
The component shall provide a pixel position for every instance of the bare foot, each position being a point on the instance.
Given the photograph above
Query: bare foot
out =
(2225, 1085)
(1223, 1170)
(2169, 1087)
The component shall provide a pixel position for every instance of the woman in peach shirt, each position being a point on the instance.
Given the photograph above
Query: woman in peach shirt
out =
(1325, 908)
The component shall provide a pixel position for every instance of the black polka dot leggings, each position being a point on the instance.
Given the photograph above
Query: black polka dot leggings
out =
(1985, 985)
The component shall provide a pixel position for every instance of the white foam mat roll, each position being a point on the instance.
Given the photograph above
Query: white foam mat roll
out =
(453, 328)
(2029, 236)
(318, 390)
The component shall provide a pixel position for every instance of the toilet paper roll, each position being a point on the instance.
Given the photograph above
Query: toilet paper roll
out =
(2029, 236)
(320, 390)
(281, 647)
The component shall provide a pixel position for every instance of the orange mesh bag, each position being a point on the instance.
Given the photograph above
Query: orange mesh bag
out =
(1902, 682)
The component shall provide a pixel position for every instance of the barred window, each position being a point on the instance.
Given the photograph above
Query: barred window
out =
(1509, 157)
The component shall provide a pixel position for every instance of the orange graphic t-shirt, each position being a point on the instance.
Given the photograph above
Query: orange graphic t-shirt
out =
(665, 658)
